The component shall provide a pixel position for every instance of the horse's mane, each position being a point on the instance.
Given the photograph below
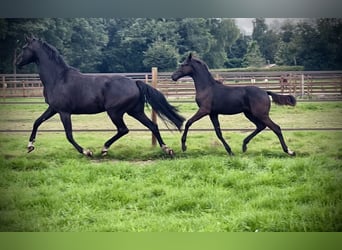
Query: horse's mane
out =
(54, 55)
(199, 61)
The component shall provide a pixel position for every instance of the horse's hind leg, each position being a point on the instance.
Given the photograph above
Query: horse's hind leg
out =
(141, 117)
(259, 127)
(277, 130)
(214, 119)
(45, 116)
(122, 130)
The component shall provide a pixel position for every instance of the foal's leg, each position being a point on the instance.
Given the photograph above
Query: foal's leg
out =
(198, 115)
(45, 116)
(259, 127)
(141, 117)
(277, 130)
(66, 120)
(214, 119)
(122, 130)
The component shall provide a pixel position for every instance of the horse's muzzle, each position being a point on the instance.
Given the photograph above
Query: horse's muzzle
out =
(175, 76)
(19, 61)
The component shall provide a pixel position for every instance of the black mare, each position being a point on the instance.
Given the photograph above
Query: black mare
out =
(67, 91)
(214, 98)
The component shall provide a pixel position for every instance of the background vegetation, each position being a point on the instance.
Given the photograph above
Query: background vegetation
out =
(137, 44)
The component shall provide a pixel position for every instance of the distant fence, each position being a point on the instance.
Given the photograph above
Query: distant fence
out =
(316, 84)
(319, 84)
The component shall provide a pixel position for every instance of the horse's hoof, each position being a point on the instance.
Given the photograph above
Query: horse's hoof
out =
(171, 153)
(168, 151)
(88, 153)
(30, 149)
(291, 153)
(104, 151)
(184, 148)
(244, 148)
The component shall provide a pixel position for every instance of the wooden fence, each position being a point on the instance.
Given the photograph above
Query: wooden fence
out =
(311, 84)
(305, 84)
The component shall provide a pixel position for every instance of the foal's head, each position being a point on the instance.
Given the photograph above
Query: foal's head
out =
(189, 67)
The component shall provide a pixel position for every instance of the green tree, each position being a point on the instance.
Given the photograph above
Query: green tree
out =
(114, 57)
(84, 48)
(269, 45)
(225, 33)
(132, 44)
(330, 44)
(12, 32)
(129, 39)
(194, 36)
(306, 48)
(259, 28)
(253, 57)
(79, 40)
(286, 53)
(237, 52)
(287, 31)
(267, 39)
(282, 56)
(162, 55)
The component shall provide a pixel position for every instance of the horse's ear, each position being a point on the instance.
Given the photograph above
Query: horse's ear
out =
(27, 39)
(188, 59)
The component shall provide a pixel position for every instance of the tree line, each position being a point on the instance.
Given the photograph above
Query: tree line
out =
(137, 44)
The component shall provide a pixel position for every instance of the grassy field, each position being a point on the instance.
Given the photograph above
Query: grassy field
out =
(137, 188)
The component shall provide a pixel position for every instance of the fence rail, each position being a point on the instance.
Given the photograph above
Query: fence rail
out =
(319, 84)
(323, 86)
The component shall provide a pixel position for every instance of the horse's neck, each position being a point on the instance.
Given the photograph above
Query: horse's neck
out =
(49, 71)
(203, 80)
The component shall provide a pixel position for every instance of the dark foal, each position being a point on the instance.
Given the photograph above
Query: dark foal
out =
(214, 98)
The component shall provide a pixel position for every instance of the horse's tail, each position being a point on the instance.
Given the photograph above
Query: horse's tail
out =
(283, 99)
(160, 105)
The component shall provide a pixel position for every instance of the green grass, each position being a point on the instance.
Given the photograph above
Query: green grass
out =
(137, 188)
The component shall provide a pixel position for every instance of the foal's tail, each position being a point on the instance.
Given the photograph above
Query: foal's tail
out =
(283, 99)
(160, 105)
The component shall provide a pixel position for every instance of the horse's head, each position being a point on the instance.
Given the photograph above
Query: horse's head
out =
(185, 69)
(28, 52)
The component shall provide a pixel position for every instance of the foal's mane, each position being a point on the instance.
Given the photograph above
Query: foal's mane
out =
(205, 66)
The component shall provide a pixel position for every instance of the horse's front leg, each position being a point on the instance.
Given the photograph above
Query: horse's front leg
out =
(198, 115)
(45, 116)
(66, 120)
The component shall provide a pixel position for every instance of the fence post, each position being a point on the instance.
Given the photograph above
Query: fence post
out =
(302, 85)
(154, 115)
(4, 88)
